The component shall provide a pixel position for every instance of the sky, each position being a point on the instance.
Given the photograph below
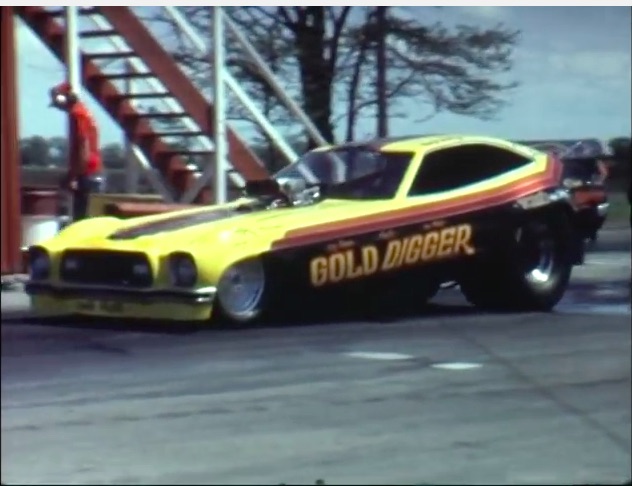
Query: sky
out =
(572, 63)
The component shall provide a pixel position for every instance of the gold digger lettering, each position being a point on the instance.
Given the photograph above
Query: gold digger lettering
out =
(398, 253)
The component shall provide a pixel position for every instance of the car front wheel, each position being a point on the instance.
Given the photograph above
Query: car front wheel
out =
(241, 291)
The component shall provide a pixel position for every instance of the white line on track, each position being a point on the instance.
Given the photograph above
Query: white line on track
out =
(457, 366)
(379, 356)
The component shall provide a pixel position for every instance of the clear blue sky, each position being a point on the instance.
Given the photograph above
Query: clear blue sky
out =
(573, 64)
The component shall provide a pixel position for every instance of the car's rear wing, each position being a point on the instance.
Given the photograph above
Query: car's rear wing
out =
(582, 150)
(582, 159)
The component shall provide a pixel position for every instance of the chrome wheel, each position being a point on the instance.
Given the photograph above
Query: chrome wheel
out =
(540, 253)
(240, 290)
(544, 267)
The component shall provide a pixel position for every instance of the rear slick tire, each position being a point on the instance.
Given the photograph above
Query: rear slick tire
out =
(531, 275)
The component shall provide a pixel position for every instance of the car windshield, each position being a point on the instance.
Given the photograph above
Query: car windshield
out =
(351, 173)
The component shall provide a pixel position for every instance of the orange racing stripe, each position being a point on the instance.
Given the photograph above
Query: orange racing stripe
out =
(402, 217)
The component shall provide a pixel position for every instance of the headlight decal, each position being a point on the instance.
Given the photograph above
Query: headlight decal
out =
(182, 270)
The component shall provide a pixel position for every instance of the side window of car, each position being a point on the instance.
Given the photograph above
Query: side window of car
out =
(455, 167)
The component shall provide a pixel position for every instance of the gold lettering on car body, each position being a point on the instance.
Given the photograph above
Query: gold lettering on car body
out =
(405, 252)
(446, 245)
(345, 265)
(431, 241)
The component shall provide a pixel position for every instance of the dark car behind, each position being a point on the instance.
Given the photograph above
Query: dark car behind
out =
(585, 178)
(585, 175)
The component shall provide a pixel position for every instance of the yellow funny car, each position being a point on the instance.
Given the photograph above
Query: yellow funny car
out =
(397, 217)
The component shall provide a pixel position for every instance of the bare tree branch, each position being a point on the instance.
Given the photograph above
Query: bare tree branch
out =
(324, 56)
(339, 24)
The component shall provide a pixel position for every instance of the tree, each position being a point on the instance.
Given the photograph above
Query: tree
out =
(34, 151)
(620, 148)
(271, 45)
(311, 38)
(327, 58)
(58, 151)
(621, 168)
(26, 159)
(457, 70)
(113, 156)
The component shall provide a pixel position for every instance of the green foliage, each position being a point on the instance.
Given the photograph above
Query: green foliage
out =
(620, 147)
(40, 152)
(35, 151)
(621, 166)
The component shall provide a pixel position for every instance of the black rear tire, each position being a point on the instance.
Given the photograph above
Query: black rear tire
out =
(531, 274)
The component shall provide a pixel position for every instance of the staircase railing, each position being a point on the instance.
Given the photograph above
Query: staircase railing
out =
(120, 28)
(275, 137)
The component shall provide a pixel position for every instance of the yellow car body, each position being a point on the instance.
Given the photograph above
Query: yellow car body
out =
(127, 268)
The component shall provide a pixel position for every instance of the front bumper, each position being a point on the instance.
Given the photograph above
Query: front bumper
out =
(98, 301)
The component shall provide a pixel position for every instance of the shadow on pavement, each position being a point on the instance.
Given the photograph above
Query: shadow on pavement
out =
(448, 303)
(309, 317)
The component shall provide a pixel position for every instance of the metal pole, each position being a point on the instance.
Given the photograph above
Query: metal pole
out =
(232, 84)
(265, 72)
(155, 85)
(73, 54)
(219, 120)
(269, 76)
(73, 76)
(10, 206)
(132, 169)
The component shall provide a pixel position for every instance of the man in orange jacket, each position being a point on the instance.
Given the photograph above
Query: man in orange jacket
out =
(85, 167)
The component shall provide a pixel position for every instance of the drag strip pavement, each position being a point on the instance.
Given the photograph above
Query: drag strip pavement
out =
(451, 397)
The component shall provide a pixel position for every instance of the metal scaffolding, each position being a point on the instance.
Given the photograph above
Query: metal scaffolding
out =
(219, 103)
(221, 168)
(124, 37)
(73, 54)
(223, 78)
(9, 157)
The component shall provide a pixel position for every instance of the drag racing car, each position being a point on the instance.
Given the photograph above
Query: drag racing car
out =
(363, 220)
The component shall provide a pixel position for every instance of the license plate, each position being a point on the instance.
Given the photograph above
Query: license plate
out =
(101, 306)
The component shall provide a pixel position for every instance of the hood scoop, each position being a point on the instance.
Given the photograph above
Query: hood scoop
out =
(173, 224)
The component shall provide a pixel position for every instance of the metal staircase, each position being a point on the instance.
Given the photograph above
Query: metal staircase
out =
(168, 121)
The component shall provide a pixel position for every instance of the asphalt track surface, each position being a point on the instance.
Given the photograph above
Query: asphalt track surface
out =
(454, 396)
